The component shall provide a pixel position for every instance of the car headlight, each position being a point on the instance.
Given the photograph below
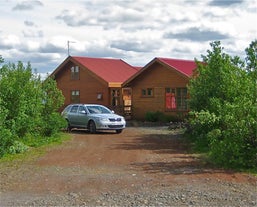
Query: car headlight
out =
(104, 119)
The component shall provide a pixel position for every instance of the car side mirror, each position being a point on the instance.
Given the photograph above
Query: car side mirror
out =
(113, 112)
(83, 112)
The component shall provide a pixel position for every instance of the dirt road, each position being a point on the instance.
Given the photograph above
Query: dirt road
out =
(140, 166)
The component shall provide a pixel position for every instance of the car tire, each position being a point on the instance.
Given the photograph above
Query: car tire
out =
(92, 127)
(118, 131)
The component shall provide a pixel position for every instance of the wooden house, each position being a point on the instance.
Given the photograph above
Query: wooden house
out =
(161, 85)
(95, 80)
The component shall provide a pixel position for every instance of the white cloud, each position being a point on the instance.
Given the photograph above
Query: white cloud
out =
(9, 41)
(27, 5)
(32, 33)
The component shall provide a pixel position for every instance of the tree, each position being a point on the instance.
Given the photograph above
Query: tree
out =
(28, 107)
(1, 59)
(251, 67)
(224, 108)
(21, 97)
(220, 79)
(52, 101)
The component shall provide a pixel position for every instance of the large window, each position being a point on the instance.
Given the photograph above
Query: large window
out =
(75, 98)
(75, 73)
(176, 98)
(147, 92)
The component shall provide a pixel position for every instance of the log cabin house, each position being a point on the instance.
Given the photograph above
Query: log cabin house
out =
(161, 85)
(95, 80)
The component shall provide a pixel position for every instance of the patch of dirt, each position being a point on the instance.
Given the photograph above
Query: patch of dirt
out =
(140, 166)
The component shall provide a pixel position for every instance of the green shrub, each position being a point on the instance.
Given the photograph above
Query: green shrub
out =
(28, 107)
(158, 116)
(17, 147)
(236, 145)
(52, 124)
(153, 116)
(201, 123)
(6, 140)
(223, 120)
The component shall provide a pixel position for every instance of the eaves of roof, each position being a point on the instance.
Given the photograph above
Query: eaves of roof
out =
(59, 68)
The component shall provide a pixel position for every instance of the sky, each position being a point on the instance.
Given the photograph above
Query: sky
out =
(136, 31)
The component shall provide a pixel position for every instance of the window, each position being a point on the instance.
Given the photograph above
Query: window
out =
(170, 98)
(99, 96)
(182, 98)
(82, 109)
(148, 92)
(75, 98)
(75, 73)
(176, 98)
(74, 109)
(98, 110)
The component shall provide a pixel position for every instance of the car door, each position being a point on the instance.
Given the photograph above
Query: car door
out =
(72, 115)
(82, 116)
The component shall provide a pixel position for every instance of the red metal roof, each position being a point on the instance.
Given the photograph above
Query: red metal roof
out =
(185, 67)
(138, 67)
(110, 70)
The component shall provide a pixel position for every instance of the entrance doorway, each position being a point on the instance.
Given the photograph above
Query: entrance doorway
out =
(115, 97)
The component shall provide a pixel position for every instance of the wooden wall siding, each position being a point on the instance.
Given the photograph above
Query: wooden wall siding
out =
(88, 85)
(157, 77)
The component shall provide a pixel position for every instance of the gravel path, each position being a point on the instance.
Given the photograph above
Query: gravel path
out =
(140, 167)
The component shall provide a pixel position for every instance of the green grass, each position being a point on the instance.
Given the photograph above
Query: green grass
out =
(37, 147)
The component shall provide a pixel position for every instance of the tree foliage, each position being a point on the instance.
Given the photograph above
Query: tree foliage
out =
(224, 107)
(28, 106)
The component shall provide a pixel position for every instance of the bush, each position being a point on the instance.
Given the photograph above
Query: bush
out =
(28, 107)
(6, 140)
(236, 143)
(18, 147)
(161, 117)
(223, 118)
(153, 116)
(52, 124)
(202, 122)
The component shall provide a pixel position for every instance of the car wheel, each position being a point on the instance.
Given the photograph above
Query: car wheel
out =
(118, 131)
(68, 128)
(92, 127)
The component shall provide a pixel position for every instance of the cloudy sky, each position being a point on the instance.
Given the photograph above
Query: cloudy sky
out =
(133, 30)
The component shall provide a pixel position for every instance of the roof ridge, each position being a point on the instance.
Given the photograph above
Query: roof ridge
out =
(105, 58)
(187, 60)
(133, 67)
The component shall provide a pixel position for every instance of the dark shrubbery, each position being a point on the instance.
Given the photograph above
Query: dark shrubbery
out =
(28, 107)
(158, 116)
(153, 116)
(223, 120)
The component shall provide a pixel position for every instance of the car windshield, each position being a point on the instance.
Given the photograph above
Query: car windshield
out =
(98, 110)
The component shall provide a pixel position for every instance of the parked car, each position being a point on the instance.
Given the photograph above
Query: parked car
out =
(93, 117)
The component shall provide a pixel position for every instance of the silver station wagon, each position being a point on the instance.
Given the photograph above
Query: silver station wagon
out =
(92, 117)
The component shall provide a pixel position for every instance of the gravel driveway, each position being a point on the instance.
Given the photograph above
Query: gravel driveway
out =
(139, 167)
